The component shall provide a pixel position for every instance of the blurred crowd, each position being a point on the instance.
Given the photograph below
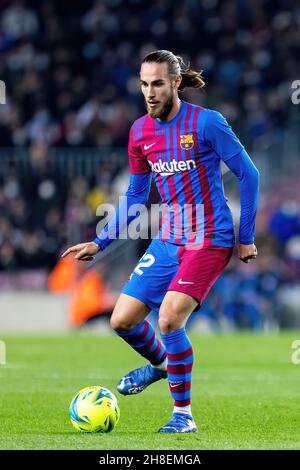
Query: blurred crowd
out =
(72, 69)
(71, 75)
(41, 213)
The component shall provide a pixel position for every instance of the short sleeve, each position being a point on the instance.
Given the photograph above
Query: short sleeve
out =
(137, 161)
(220, 137)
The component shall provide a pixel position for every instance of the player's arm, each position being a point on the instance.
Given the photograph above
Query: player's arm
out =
(246, 172)
(137, 193)
(223, 140)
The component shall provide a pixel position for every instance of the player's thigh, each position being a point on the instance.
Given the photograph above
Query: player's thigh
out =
(199, 270)
(128, 312)
(175, 311)
(152, 275)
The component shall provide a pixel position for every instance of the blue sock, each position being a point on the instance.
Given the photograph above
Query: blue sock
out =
(180, 364)
(142, 339)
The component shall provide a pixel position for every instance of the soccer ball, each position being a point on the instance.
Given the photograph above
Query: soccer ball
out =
(94, 409)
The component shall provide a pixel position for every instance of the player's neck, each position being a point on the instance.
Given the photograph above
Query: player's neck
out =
(175, 109)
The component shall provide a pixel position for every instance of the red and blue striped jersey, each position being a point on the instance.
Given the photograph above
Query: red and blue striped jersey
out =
(184, 155)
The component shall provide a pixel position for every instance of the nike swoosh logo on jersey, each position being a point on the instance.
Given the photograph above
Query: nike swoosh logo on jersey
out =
(146, 147)
(184, 282)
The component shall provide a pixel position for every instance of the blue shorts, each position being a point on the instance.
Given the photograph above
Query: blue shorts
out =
(150, 279)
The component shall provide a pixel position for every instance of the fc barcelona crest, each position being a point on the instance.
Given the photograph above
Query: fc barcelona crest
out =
(186, 141)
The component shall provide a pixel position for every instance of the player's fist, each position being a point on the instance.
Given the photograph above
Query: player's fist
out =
(84, 251)
(247, 252)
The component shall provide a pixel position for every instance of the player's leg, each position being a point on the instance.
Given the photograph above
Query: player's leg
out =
(147, 287)
(128, 321)
(198, 271)
(173, 315)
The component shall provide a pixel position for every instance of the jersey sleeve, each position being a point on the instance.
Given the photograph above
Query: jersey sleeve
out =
(137, 161)
(220, 137)
(247, 173)
(137, 193)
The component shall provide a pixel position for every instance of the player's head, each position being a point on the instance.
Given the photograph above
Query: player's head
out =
(162, 75)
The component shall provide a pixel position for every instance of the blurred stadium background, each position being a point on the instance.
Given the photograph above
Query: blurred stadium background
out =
(72, 92)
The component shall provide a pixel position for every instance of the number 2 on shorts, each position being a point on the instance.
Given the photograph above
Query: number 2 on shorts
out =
(145, 261)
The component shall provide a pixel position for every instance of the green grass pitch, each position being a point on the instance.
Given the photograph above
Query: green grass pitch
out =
(245, 393)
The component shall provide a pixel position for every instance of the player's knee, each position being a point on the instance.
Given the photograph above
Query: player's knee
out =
(120, 324)
(167, 324)
(168, 315)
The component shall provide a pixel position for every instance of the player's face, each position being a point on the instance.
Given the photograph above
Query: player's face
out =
(158, 89)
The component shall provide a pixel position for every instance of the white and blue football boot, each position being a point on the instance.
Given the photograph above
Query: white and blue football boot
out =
(138, 379)
(180, 422)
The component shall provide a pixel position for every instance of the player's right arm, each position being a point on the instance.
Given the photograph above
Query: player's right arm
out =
(137, 193)
(83, 251)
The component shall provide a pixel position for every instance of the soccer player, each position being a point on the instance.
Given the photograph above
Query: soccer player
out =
(181, 145)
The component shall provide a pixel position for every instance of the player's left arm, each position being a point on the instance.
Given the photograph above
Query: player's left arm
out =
(247, 173)
(223, 140)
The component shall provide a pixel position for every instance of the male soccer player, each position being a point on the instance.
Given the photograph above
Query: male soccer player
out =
(181, 145)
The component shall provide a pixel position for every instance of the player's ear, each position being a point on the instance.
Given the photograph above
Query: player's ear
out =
(178, 81)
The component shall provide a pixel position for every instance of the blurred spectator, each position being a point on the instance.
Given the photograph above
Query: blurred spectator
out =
(285, 222)
(18, 21)
(73, 70)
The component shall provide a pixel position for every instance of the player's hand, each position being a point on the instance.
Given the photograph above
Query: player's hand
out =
(247, 252)
(84, 251)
